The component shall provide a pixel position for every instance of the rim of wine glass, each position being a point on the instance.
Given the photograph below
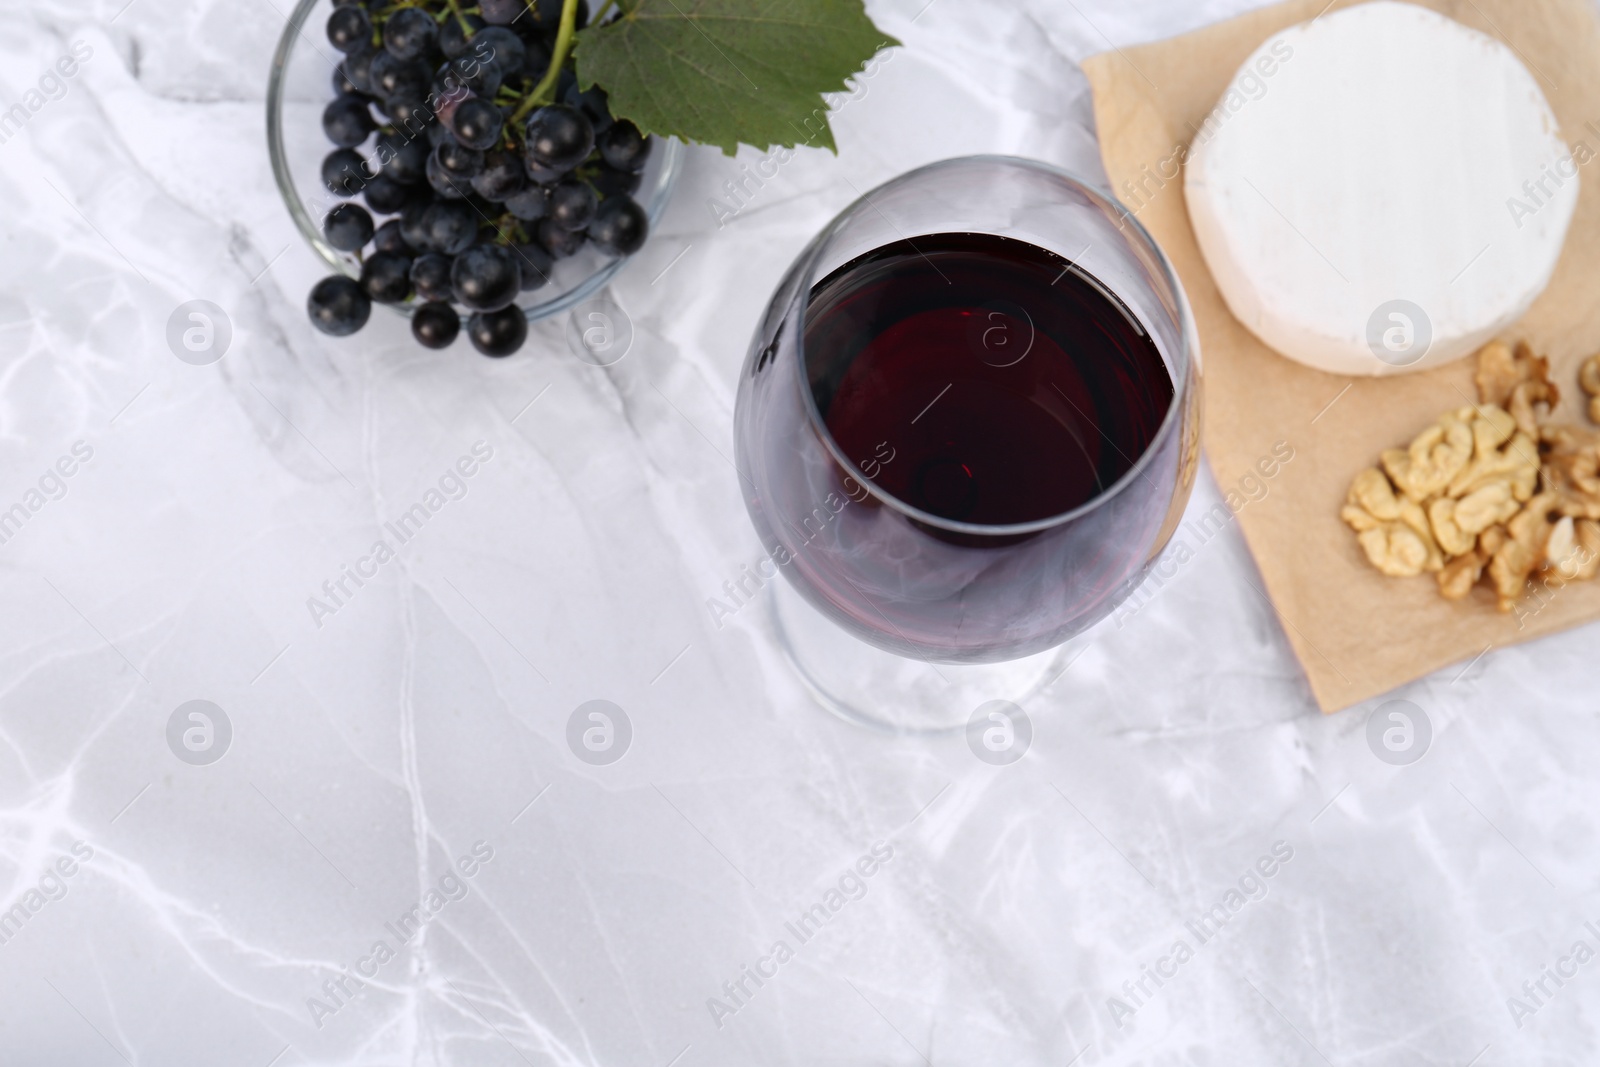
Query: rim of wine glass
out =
(1180, 387)
(671, 154)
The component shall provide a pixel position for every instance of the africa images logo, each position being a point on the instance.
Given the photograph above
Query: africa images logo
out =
(1399, 732)
(999, 733)
(599, 732)
(199, 733)
(199, 332)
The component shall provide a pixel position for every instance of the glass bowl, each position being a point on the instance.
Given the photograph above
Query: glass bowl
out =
(301, 86)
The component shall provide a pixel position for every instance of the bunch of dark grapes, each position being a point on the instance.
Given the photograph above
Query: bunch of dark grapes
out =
(489, 167)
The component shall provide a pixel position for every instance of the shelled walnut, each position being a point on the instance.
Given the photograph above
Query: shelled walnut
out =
(1392, 530)
(1572, 469)
(1489, 491)
(1516, 381)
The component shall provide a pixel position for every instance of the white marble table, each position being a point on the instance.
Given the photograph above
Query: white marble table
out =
(173, 913)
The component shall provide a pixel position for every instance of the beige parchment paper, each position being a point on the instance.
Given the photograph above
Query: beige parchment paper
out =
(1357, 633)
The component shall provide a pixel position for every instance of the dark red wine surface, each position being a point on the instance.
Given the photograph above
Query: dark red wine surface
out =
(1003, 383)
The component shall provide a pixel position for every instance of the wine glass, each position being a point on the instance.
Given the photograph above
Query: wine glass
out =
(957, 456)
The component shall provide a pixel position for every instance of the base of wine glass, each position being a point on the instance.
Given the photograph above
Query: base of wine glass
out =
(869, 687)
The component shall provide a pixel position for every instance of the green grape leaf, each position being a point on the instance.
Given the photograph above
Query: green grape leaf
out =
(723, 72)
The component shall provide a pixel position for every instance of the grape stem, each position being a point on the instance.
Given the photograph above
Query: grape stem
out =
(545, 90)
(605, 9)
(466, 27)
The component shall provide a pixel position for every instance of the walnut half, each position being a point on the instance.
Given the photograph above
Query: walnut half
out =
(1396, 550)
(1572, 469)
(1457, 577)
(1574, 550)
(1438, 454)
(1525, 549)
(1392, 530)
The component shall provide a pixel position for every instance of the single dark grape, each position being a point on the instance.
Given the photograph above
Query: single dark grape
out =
(481, 76)
(435, 325)
(347, 122)
(357, 67)
(392, 76)
(530, 32)
(451, 227)
(623, 146)
(342, 85)
(540, 174)
(458, 159)
(559, 137)
(348, 227)
(349, 28)
(500, 178)
(572, 204)
(444, 107)
(536, 265)
(505, 48)
(413, 226)
(453, 41)
(502, 12)
(530, 204)
(337, 306)
(410, 33)
(405, 159)
(539, 56)
(610, 182)
(386, 277)
(409, 112)
(344, 172)
(620, 226)
(441, 181)
(391, 237)
(545, 15)
(447, 93)
(486, 277)
(592, 102)
(558, 240)
(498, 333)
(477, 123)
(385, 195)
(487, 79)
(430, 277)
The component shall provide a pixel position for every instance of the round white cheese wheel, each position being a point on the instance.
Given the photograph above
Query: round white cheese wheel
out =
(1381, 190)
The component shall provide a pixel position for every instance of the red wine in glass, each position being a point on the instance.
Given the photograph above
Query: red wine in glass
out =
(1010, 386)
(967, 426)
